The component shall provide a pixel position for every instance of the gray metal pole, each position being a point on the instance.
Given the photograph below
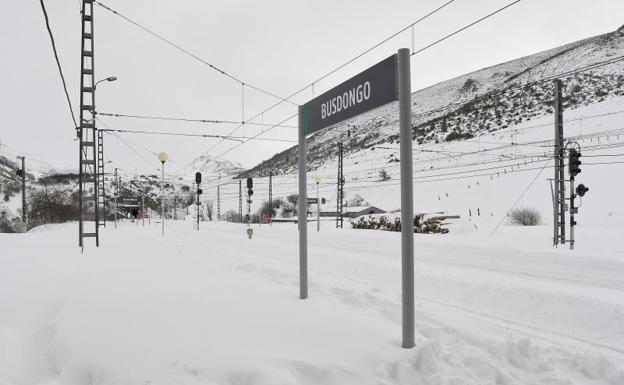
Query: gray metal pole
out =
(197, 204)
(116, 195)
(318, 209)
(24, 217)
(407, 197)
(162, 199)
(303, 212)
(143, 210)
(572, 223)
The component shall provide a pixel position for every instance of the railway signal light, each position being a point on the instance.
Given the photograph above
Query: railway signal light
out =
(198, 177)
(574, 162)
(249, 183)
(581, 189)
(200, 191)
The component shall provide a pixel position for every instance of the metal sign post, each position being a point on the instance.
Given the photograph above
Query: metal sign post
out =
(303, 209)
(407, 196)
(385, 82)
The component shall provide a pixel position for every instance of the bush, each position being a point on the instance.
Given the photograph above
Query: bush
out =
(455, 135)
(526, 216)
(233, 216)
(355, 201)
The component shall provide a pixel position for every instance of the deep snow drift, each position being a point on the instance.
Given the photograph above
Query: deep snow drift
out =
(213, 307)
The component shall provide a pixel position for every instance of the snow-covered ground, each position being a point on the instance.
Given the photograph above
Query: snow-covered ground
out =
(213, 307)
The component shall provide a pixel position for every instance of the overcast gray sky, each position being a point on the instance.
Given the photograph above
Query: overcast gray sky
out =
(279, 46)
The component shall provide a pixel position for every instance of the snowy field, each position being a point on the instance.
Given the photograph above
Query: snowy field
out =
(213, 307)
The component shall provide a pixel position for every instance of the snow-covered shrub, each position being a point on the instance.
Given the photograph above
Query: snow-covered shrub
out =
(384, 175)
(526, 216)
(355, 201)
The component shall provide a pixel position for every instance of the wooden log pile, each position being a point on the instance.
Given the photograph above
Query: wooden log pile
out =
(424, 223)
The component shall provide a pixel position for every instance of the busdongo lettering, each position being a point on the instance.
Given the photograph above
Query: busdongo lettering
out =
(348, 99)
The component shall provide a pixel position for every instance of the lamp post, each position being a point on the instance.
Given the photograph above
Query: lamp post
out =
(108, 79)
(317, 179)
(163, 157)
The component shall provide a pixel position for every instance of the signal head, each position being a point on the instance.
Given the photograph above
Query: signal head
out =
(581, 190)
(574, 162)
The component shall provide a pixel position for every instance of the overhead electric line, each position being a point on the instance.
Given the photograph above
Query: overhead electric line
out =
(521, 196)
(170, 133)
(322, 77)
(464, 28)
(58, 63)
(133, 150)
(233, 138)
(192, 55)
(169, 118)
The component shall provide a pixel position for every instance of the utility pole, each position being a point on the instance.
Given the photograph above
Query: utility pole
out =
(559, 189)
(249, 194)
(240, 200)
(116, 194)
(163, 157)
(175, 204)
(22, 174)
(270, 194)
(317, 179)
(218, 203)
(101, 181)
(143, 209)
(86, 130)
(340, 189)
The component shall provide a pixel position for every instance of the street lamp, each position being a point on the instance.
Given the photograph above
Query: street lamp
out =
(162, 157)
(317, 179)
(108, 79)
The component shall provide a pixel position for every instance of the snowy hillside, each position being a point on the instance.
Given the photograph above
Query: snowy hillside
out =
(484, 101)
(212, 168)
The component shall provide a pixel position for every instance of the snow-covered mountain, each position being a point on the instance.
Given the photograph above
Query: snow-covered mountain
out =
(212, 168)
(483, 101)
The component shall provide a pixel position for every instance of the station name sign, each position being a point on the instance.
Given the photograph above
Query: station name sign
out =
(365, 91)
(129, 201)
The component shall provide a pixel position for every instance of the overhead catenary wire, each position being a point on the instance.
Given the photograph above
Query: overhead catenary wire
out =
(336, 69)
(233, 138)
(567, 73)
(190, 120)
(188, 53)
(134, 151)
(521, 196)
(464, 28)
(58, 63)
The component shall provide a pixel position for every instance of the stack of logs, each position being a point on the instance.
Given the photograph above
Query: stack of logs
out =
(432, 224)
